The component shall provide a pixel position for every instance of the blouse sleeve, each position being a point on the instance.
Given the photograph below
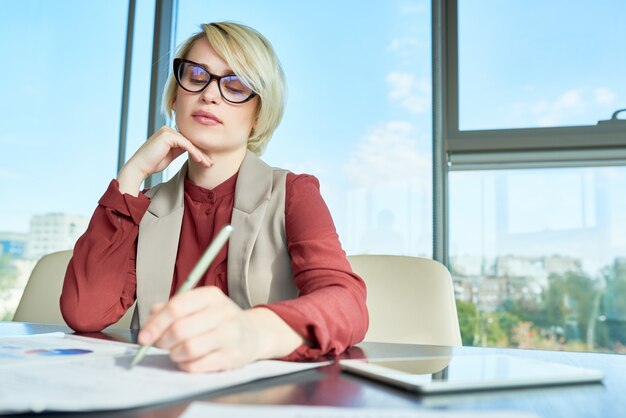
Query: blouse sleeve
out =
(330, 311)
(100, 282)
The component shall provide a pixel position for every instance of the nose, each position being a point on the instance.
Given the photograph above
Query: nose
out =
(211, 94)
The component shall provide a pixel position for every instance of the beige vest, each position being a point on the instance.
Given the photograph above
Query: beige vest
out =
(259, 266)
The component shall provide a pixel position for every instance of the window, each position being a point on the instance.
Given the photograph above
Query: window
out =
(60, 117)
(537, 257)
(358, 114)
(545, 64)
(542, 92)
(529, 177)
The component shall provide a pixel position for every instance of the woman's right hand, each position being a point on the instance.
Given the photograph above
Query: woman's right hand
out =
(154, 156)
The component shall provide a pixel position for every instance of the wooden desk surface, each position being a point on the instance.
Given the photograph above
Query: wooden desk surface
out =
(328, 386)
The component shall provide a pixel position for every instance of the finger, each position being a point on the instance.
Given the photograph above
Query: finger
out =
(194, 152)
(200, 157)
(200, 346)
(144, 334)
(189, 327)
(217, 361)
(178, 307)
(156, 308)
(203, 160)
(224, 337)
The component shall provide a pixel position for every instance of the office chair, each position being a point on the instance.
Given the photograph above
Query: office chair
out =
(40, 300)
(410, 300)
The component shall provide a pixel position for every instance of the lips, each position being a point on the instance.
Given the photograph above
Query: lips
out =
(206, 118)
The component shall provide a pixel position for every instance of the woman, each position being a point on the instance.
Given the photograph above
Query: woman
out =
(281, 288)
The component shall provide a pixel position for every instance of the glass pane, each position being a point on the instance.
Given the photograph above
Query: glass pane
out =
(61, 88)
(538, 64)
(358, 114)
(537, 257)
(141, 69)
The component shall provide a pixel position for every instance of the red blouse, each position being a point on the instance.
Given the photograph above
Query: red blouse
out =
(330, 311)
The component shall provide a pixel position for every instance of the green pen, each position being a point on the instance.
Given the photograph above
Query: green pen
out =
(194, 277)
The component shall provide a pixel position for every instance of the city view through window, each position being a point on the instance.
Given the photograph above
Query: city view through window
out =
(537, 256)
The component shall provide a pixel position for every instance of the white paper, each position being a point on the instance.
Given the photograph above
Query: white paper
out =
(20, 351)
(103, 380)
(204, 409)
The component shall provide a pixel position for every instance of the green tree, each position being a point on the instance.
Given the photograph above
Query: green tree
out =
(489, 332)
(525, 310)
(467, 321)
(508, 322)
(581, 291)
(614, 303)
(555, 310)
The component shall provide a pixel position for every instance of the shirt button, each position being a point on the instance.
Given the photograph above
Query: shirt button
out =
(211, 195)
(208, 211)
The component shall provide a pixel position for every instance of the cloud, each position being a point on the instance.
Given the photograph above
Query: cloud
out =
(409, 7)
(409, 49)
(604, 96)
(567, 104)
(571, 104)
(407, 43)
(389, 153)
(409, 92)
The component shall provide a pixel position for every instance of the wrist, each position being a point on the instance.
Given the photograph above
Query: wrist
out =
(130, 179)
(275, 338)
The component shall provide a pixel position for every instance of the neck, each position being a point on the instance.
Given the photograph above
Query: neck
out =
(225, 165)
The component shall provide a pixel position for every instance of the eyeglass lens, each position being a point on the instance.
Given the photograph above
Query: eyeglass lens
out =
(194, 78)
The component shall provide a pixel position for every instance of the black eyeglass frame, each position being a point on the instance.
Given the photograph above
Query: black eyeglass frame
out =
(178, 62)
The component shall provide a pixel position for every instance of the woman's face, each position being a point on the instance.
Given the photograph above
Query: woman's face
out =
(205, 118)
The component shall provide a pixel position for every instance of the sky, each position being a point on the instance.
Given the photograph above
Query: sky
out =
(358, 113)
(560, 62)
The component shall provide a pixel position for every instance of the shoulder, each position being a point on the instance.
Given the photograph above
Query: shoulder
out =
(296, 182)
(302, 182)
(303, 190)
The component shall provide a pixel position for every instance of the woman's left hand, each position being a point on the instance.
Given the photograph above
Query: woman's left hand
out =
(204, 331)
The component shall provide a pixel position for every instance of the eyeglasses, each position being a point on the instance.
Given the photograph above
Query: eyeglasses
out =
(194, 78)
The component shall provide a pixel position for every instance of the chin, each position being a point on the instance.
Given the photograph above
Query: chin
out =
(201, 140)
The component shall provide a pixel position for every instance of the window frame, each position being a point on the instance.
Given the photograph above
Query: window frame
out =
(603, 144)
(574, 146)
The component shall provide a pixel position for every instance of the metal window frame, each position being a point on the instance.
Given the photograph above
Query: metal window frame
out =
(128, 60)
(165, 16)
(163, 44)
(440, 126)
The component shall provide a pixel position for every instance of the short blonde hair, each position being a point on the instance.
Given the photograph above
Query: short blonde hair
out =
(251, 56)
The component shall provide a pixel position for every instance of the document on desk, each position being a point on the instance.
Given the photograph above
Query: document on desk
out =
(205, 409)
(65, 373)
(20, 351)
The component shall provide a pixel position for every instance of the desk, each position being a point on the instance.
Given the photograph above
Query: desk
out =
(327, 386)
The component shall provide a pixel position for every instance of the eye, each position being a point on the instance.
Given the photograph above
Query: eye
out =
(234, 85)
(233, 89)
(196, 75)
